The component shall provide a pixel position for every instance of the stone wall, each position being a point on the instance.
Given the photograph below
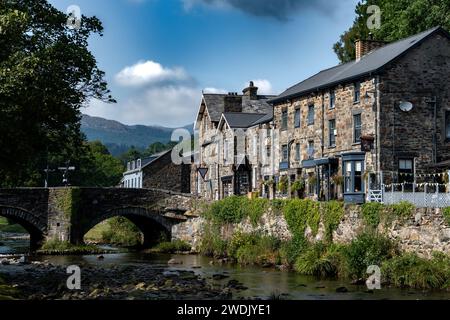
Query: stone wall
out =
(422, 233)
(418, 77)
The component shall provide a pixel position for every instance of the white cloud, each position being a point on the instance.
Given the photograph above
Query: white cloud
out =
(170, 106)
(264, 86)
(150, 73)
(215, 90)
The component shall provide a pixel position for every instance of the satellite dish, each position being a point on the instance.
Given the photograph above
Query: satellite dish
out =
(406, 106)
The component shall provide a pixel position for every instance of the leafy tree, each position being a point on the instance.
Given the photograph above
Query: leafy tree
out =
(46, 74)
(399, 19)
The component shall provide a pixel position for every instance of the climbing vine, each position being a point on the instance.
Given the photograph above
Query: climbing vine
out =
(332, 215)
(446, 213)
(371, 212)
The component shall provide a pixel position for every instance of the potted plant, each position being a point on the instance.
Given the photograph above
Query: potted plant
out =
(283, 185)
(298, 187)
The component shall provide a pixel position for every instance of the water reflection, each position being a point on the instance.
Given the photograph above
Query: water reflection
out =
(259, 281)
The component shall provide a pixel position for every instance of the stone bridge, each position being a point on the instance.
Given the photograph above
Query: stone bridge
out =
(67, 214)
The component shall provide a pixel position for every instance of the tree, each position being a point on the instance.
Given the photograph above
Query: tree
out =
(399, 19)
(46, 74)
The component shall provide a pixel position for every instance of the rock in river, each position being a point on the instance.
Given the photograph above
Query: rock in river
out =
(174, 261)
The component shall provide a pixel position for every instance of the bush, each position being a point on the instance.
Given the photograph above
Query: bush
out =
(172, 247)
(333, 213)
(301, 213)
(318, 261)
(290, 250)
(409, 270)
(121, 231)
(254, 249)
(367, 249)
(446, 213)
(234, 209)
(371, 212)
(402, 209)
(212, 245)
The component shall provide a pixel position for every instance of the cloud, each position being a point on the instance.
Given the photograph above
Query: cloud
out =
(264, 86)
(171, 106)
(150, 73)
(215, 90)
(278, 9)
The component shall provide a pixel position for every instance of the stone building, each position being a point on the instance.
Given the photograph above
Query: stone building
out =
(225, 167)
(387, 111)
(158, 172)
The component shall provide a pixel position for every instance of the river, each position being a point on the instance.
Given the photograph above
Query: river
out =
(261, 282)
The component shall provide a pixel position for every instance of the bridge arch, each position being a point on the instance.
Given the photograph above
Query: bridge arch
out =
(34, 226)
(150, 223)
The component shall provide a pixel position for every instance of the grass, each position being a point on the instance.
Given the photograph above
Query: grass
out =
(118, 231)
(172, 247)
(55, 247)
(411, 271)
(7, 226)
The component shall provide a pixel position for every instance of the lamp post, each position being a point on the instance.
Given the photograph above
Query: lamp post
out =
(65, 171)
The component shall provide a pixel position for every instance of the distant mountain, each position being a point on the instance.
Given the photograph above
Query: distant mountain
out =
(119, 137)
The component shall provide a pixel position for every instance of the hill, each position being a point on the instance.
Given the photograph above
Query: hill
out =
(119, 137)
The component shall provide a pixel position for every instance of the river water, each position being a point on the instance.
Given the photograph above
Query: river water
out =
(261, 282)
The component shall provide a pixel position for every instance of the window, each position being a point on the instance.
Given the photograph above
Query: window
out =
(285, 153)
(297, 118)
(332, 99)
(357, 128)
(225, 151)
(357, 92)
(297, 152)
(311, 149)
(284, 120)
(406, 170)
(353, 171)
(268, 151)
(332, 133)
(447, 125)
(311, 114)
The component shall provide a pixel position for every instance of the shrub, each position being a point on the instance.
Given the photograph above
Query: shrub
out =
(57, 246)
(446, 213)
(254, 249)
(371, 212)
(212, 245)
(317, 262)
(255, 209)
(333, 212)
(121, 231)
(173, 247)
(409, 270)
(290, 250)
(365, 250)
(402, 209)
(300, 213)
(229, 210)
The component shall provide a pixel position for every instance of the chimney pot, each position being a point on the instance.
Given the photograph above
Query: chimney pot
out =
(251, 91)
(363, 47)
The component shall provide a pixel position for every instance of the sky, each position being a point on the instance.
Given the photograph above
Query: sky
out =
(159, 55)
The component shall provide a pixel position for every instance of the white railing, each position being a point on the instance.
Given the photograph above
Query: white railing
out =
(423, 196)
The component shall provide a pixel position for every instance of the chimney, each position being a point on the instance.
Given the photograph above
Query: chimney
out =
(251, 91)
(232, 102)
(363, 47)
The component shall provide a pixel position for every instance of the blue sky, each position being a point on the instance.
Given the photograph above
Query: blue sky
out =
(159, 55)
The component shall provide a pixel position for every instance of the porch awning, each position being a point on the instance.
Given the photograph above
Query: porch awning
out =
(227, 179)
(318, 162)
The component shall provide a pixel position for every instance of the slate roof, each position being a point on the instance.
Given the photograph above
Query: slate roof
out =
(216, 105)
(369, 64)
(242, 120)
(149, 160)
